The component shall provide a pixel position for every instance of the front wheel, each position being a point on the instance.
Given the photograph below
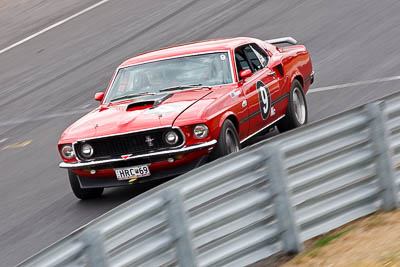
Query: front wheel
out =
(83, 193)
(228, 141)
(296, 112)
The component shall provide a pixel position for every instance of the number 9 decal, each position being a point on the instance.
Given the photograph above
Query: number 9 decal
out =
(264, 98)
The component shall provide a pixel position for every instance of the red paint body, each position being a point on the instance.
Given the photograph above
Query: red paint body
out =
(199, 105)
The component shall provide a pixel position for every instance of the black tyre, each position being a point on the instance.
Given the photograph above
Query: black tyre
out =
(297, 112)
(228, 141)
(83, 193)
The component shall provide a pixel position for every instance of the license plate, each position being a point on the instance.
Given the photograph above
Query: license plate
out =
(132, 172)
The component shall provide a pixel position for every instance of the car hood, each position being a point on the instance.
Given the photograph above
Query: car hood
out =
(135, 114)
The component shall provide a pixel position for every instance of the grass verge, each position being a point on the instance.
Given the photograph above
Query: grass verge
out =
(370, 241)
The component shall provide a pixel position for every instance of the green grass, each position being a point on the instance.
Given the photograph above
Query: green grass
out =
(327, 239)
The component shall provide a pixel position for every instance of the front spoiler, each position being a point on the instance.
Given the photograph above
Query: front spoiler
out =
(161, 153)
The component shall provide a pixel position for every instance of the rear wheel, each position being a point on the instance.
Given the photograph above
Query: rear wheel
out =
(297, 112)
(228, 141)
(83, 193)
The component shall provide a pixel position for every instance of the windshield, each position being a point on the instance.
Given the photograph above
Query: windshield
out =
(150, 78)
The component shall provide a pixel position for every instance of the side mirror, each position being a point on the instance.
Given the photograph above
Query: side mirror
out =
(245, 74)
(99, 96)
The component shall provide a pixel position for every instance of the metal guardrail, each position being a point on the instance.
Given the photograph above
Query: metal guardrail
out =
(266, 199)
(339, 170)
(392, 113)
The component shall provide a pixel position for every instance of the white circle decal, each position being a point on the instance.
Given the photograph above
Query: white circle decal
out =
(264, 99)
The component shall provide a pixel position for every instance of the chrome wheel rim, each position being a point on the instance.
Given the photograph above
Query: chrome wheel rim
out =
(232, 144)
(299, 105)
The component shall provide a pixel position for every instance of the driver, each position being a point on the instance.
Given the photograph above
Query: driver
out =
(154, 79)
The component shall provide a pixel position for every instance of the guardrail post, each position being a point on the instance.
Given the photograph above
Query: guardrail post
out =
(94, 248)
(282, 201)
(179, 229)
(380, 140)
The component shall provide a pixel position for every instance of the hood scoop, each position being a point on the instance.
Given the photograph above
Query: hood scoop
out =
(145, 102)
(139, 105)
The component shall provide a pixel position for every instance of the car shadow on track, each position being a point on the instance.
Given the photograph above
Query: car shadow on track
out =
(261, 137)
(121, 194)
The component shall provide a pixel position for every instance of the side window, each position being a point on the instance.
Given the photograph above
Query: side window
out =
(241, 62)
(252, 57)
(261, 54)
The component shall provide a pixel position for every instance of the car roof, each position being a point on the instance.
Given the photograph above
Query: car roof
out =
(189, 48)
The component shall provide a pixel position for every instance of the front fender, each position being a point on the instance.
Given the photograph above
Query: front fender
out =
(223, 117)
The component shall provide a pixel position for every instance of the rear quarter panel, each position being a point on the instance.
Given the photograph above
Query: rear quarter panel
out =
(296, 62)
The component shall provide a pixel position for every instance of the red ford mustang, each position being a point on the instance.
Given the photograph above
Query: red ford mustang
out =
(168, 111)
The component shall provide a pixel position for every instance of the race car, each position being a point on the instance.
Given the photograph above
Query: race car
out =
(168, 111)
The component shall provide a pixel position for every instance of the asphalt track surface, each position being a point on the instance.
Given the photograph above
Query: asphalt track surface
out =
(49, 81)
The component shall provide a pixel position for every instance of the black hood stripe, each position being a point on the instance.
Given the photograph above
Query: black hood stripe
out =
(194, 102)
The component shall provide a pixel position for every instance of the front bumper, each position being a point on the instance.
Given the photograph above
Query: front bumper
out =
(187, 149)
(90, 182)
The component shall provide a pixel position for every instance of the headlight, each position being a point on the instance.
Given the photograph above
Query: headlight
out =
(67, 152)
(200, 131)
(171, 138)
(87, 150)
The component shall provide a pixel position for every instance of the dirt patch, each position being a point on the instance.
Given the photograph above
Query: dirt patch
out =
(370, 241)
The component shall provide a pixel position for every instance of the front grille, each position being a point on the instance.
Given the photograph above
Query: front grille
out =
(135, 143)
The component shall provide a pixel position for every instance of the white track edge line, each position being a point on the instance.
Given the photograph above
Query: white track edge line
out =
(339, 86)
(53, 26)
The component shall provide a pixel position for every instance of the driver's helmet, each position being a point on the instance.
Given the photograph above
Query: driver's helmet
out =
(154, 77)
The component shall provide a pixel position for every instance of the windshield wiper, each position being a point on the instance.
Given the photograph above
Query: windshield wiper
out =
(180, 87)
(132, 95)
